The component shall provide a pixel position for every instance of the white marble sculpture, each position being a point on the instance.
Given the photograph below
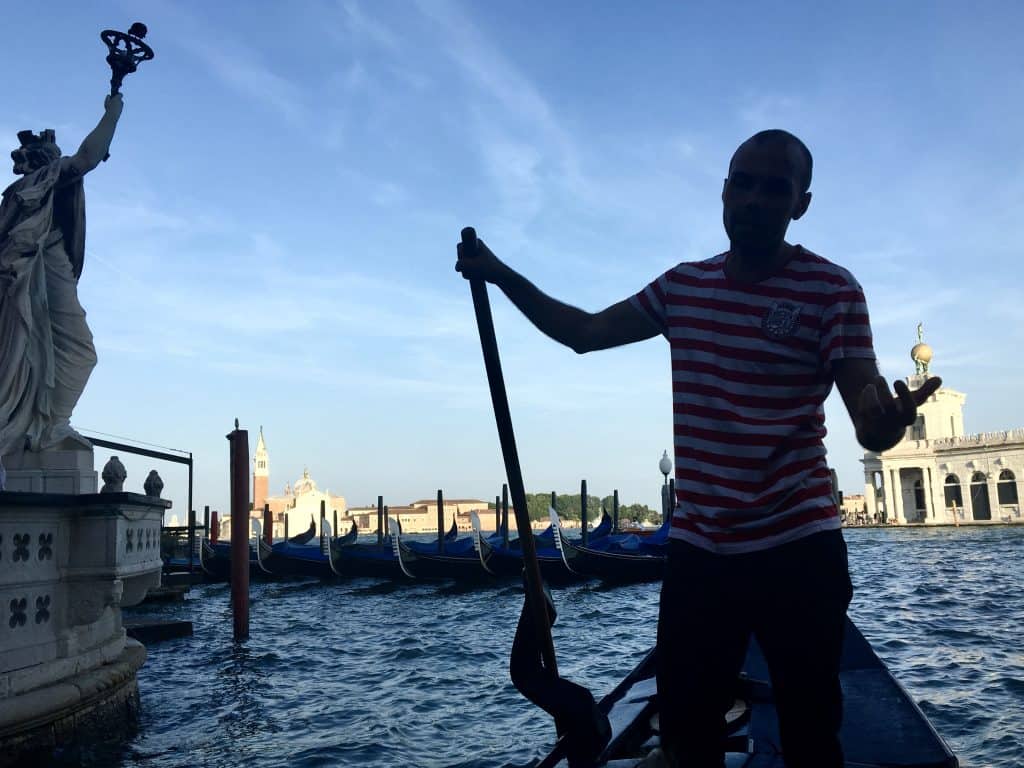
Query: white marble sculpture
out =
(48, 348)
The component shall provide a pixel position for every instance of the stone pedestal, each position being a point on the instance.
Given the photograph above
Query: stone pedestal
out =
(65, 470)
(68, 563)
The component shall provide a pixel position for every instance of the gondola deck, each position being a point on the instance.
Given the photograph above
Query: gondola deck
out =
(882, 726)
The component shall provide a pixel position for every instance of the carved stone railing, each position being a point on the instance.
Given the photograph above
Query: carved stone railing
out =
(980, 439)
(68, 563)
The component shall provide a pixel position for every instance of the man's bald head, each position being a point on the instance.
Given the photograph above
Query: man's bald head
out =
(800, 156)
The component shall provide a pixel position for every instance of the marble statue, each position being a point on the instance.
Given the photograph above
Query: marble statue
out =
(114, 475)
(47, 345)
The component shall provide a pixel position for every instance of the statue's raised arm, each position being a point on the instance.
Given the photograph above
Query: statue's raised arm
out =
(95, 148)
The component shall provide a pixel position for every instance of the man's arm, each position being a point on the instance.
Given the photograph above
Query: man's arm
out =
(96, 145)
(619, 324)
(879, 418)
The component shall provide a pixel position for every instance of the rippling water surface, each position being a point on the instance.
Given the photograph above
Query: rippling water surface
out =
(371, 673)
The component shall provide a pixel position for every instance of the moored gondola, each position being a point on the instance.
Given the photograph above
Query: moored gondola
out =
(358, 559)
(507, 561)
(616, 558)
(882, 726)
(457, 560)
(215, 557)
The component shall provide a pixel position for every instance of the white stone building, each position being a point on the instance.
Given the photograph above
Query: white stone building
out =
(938, 474)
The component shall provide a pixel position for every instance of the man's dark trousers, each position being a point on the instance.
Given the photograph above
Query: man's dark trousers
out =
(793, 599)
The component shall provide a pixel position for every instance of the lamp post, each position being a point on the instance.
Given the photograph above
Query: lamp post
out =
(665, 465)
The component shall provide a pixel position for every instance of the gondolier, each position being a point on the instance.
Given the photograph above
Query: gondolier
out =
(758, 335)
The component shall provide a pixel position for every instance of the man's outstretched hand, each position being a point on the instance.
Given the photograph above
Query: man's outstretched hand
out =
(882, 419)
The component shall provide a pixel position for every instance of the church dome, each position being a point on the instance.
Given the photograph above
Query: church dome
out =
(921, 353)
(304, 485)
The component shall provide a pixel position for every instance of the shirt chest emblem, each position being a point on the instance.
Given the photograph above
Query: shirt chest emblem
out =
(780, 321)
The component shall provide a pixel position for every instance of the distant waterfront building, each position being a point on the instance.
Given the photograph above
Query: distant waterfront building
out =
(299, 504)
(938, 474)
(421, 516)
(853, 506)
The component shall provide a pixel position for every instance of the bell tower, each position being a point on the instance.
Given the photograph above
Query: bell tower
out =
(260, 475)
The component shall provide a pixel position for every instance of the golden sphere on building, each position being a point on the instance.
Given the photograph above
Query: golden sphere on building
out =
(921, 353)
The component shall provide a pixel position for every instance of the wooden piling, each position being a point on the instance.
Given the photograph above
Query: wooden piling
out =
(239, 441)
(191, 539)
(323, 516)
(440, 521)
(380, 522)
(268, 526)
(615, 510)
(504, 514)
(286, 525)
(214, 527)
(497, 515)
(335, 532)
(583, 512)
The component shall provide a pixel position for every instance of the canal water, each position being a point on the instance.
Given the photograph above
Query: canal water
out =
(370, 673)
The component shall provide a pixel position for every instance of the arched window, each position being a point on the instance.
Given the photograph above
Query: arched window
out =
(980, 504)
(954, 495)
(1006, 488)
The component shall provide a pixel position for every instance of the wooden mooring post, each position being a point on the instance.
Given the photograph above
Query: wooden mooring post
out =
(268, 526)
(191, 539)
(239, 441)
(504, 514)
(440, 521)
(615, 511)
(380, 522)
(583, 512)
(497, 515)
(214, 526)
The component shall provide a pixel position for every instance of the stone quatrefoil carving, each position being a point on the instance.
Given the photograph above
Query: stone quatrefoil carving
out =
(137, 539)
(45, 546)
(18, 610)
(20, 547)
(42, 609)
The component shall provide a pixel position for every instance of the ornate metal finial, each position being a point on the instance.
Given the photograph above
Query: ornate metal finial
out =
(125, 51)
(920, 332)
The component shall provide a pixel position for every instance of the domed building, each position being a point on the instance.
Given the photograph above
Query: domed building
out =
(940, 475)
(298, 505)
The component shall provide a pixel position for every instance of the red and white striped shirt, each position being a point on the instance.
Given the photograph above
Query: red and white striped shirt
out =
(751, 368)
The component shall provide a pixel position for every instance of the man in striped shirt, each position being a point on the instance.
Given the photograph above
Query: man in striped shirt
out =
(758, 336)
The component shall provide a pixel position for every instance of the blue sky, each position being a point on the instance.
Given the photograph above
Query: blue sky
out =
(273, 236)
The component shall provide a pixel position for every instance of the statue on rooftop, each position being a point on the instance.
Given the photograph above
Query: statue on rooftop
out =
(48, 348)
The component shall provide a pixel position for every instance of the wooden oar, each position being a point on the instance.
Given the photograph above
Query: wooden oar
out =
(584, 728)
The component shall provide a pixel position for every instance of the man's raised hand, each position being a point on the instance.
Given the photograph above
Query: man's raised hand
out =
(881, 418)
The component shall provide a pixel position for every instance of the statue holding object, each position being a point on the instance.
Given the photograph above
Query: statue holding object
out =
(48, 351)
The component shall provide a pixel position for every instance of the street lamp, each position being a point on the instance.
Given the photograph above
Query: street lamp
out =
(665, 465)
